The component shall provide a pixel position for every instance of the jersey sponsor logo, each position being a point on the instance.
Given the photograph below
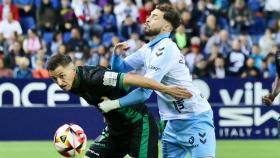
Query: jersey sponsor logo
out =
(154, 68)
(110, 79)
(179, 105)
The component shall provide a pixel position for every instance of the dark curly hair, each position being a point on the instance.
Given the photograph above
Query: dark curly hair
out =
(170, 14)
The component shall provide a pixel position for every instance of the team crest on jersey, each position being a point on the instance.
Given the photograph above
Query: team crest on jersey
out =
(110, 79)
(160, 51)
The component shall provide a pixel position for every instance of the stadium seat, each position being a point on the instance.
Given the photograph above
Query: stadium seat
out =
(48, 36)
(21, 2)
(107, 38)
(27, 23)
(55, 3)
(258, 26)
(254, 5)
(66, 36)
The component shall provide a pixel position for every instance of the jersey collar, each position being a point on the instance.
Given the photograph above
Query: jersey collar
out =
(158, 38)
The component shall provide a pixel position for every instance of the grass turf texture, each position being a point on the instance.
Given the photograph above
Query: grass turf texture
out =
(225, 149)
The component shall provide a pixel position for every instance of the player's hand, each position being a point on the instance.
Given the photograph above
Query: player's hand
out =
(108, 105)
(121, 47)
(268, 99)
(178, 92)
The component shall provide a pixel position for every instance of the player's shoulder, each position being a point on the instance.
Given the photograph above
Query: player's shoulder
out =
(168, 46)
(168, 43)
(93, 68)
(91, 73)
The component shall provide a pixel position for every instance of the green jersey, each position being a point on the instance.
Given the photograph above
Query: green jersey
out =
(94, 82)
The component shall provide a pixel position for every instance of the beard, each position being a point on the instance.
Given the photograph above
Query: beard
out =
(151, 32)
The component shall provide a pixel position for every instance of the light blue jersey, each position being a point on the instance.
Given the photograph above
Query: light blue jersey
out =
(187, 118)
(163, 62)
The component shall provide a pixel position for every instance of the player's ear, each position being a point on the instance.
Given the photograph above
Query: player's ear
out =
(167, 27)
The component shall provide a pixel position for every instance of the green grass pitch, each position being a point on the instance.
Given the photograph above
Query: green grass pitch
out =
(225, 149)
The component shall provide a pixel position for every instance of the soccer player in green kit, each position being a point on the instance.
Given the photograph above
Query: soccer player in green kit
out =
(130, 130)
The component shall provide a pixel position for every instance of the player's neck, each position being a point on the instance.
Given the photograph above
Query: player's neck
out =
(153, 37)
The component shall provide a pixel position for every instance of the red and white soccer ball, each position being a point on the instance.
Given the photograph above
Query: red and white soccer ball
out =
(70, 140)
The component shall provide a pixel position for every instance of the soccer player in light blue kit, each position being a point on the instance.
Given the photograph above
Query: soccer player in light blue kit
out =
(189, 128)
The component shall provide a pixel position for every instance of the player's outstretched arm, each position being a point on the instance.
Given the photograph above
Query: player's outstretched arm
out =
(140, 81)
(131, 62)
(117, 63)
(268, 99)
(140, 95)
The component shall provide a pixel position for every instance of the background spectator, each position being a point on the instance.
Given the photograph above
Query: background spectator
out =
(208, 29)
(236, 59)
(250, 70)
(8, 7)
(145, 11)
(88, 30)
(218, 70)
(39, 71)
(32, 43)
(4, 71)
(23, 71)
(88, 15)
(46, 17)
(266, 42)
(9, 26)
(240, 16)
(67, 18)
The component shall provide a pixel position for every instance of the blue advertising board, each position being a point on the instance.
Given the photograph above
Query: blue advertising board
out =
(231, 122)
(38, 93)
(34, 109)
(246, 122)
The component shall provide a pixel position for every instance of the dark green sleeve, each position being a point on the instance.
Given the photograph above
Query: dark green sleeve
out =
(114, 79)
(121, 84)
(104, 78)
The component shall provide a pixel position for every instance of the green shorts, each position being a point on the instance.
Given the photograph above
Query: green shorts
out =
(140, 141)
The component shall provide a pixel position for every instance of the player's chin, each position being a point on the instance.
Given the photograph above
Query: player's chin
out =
(146, 28)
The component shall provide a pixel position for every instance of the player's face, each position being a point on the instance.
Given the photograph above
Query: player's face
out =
(154, 23)
(64, 76)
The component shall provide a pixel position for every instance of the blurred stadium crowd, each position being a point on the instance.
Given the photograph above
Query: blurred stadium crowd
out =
(218, 38)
